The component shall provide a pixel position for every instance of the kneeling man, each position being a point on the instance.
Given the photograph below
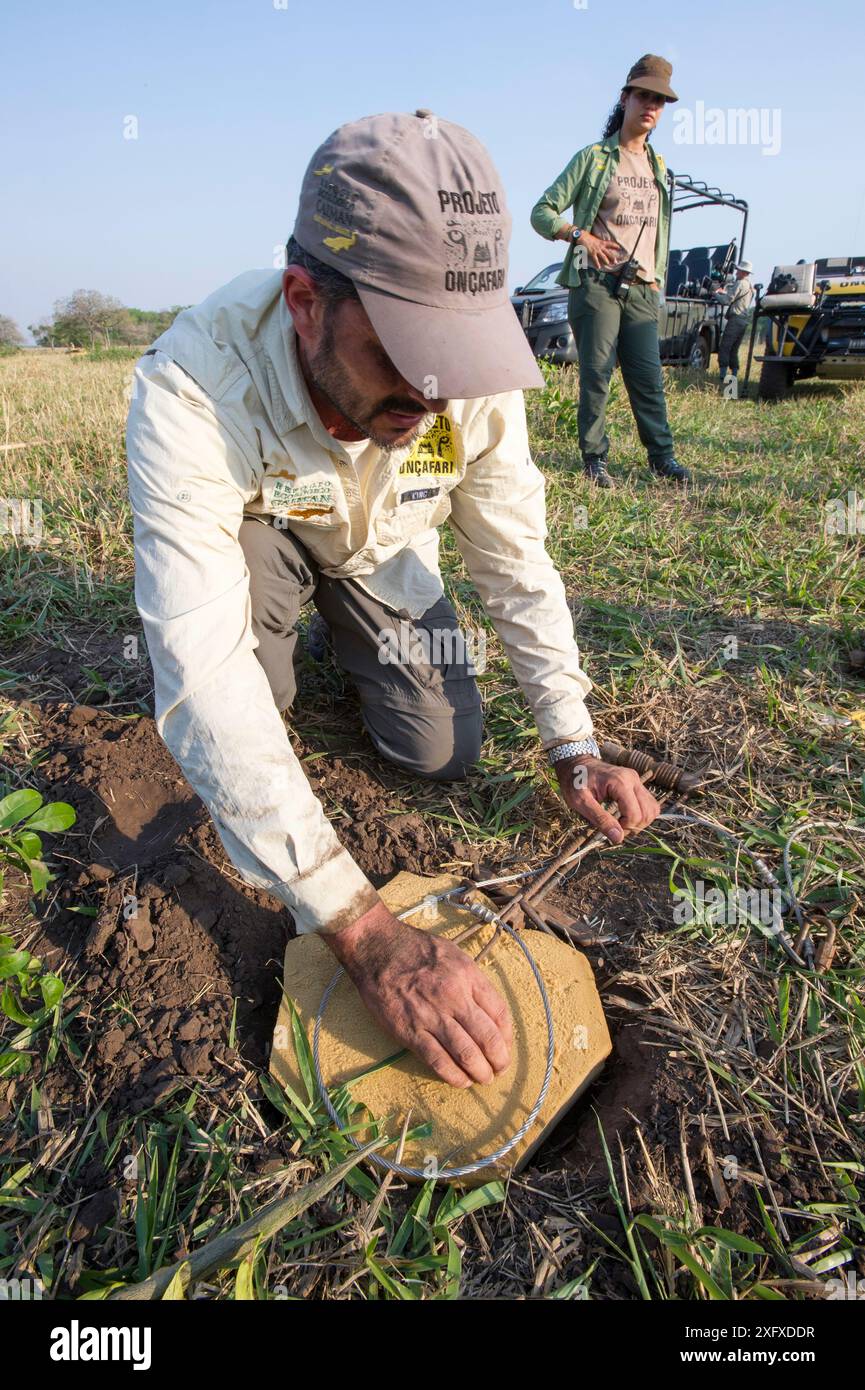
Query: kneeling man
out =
(300, 435)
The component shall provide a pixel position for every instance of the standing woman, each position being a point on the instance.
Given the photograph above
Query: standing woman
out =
(617, 191)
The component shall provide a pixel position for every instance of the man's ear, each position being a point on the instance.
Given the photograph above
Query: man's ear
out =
(304, 302)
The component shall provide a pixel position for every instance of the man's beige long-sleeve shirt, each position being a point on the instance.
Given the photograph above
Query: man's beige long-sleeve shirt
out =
(739, 297)
(221, 426)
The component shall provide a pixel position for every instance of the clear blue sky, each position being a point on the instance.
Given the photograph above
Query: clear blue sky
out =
(232, 96)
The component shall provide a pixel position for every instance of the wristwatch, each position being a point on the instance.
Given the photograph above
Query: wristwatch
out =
(576, 233)
(575, 749)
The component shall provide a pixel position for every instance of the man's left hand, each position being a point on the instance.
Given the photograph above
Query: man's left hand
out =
(587, 782)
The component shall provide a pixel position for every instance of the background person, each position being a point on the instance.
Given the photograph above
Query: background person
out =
(740, 297)
(617, 190)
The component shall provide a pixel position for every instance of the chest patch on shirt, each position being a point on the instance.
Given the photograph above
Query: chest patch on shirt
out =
(435, 453)
(291, 498)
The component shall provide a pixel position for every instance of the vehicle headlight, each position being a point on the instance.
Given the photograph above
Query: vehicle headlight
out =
(553, 313)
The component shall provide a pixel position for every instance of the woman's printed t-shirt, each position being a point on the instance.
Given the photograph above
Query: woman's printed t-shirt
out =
(630, 201)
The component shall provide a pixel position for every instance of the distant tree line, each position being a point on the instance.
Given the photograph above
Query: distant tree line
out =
(90, 319)
(10, 334)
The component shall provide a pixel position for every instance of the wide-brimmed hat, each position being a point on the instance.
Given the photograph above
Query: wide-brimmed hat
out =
(744, 265)
(412, 210)
(652, 74)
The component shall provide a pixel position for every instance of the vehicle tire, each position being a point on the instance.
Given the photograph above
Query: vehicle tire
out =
(776, 380)
(698, 357)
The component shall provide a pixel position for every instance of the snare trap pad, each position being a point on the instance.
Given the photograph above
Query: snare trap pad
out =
(466, 1125)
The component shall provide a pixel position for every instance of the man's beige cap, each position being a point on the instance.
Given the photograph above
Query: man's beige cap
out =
(652, 74)
(411, 208)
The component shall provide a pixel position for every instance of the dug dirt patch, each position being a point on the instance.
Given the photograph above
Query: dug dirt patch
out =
(177, 963)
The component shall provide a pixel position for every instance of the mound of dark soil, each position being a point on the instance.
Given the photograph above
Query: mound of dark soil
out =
(176, 955)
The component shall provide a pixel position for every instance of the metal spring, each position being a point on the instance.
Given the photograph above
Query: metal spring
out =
(640, 762)
(666, 775)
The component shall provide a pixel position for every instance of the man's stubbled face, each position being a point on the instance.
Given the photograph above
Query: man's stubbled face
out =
(351, 369)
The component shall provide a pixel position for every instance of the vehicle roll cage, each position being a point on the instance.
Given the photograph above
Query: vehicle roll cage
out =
(687, 193)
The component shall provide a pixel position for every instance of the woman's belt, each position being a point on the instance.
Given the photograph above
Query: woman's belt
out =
(611, 277)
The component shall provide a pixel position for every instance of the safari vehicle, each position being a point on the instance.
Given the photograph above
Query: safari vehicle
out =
(690, 326)
(814, 315)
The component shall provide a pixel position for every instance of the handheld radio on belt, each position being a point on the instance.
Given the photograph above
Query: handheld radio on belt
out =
(628, 272)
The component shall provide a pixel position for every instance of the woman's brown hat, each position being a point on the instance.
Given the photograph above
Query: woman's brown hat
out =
(652, 74)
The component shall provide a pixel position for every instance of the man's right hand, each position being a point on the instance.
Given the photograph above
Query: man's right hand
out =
(428, 994)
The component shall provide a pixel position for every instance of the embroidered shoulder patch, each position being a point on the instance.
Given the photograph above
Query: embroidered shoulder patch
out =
(290, 498)
(434, 454)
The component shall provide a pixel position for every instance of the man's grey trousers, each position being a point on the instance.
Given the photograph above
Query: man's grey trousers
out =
(419, 699)
(728, 348)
